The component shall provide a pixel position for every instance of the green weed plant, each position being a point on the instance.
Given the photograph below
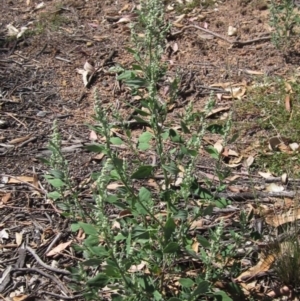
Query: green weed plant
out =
(147, 252)
(285, 21)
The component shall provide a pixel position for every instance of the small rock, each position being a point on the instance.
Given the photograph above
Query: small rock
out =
(41, 113)
(232, 31)
(3, 124)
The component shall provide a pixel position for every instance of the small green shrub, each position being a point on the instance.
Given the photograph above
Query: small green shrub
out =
(148, 250)
(285, 21)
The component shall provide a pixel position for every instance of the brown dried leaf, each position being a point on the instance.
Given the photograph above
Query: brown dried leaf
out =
(249, 161)
(19, 140)
(116, 225)
(262, 266)
(252, 72)
(218, 110)
(125, 19)
(137, 268)
(175, 47)
(98, 157)
(93, 136)
(197, 224)
(273, 187)
(278, 220)
(265, 175)
(195, 246)
(235, 92)
(59, 248)
(5, 198)
(114, 186)
(124, 8)
(21, 179)
(125, 213)
(287, 102)
(235, 189)
(206, 36)
(288, 87)
(20, 298)
(19, 238)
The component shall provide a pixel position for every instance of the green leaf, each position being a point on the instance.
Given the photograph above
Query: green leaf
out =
(186, 151)
(181, 214)
(203, 241)
(216, 129)
(142, 172)
(91, 241)
(140, 233)
(92, 262)
(222, 203)
(141, 120)
(64, 207)
(54, 195)
(144, 195)
(75, 227)
(171, 168)
(222, 296)
(203, 193)
(157, 296)
(99, 250)
(116, 141)
(112, 271)
(56, 183)
(169, 228)
(136, 83)
(127, 74)
(202, 288)
(57, 174)
(116, 69)
(213, 152)
(99, 281)
(186, 282)
(88, 228)
(44, 161)
(137, 67)
(171, 247)
(115, 298)
(208, 210)
(117, 162)
(165, 135)
(144, 146)
(145, 137)
(233, 138)
(184, 128)
(142, 113)
(112, 199)
(96, 148)
(175, 137)
(174, 299)
(130, 50)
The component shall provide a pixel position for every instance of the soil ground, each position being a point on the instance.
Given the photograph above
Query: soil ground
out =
(39, 83)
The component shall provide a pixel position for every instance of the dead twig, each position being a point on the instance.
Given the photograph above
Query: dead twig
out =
(59, 284)
(23, 182)
(46, 266)
(62, 59)
(234, 43)
(62, 297)
(12, 116)
(243, 196)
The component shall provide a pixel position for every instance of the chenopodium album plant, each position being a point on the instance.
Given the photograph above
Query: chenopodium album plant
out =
(137, 256)
(285, 20)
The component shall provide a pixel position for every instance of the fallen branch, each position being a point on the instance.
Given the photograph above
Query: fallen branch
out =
(243, 196)
(46, 266)
(234, 43)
